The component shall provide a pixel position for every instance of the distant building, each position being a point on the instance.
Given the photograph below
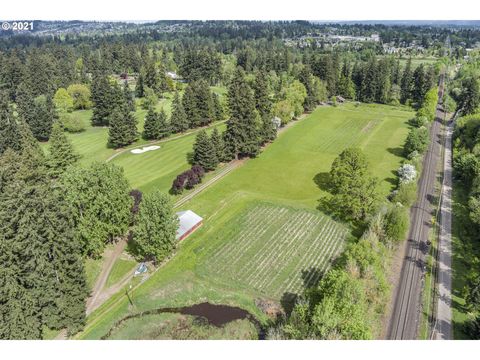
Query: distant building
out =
(340, 99)
(189, 222)
(173, 75)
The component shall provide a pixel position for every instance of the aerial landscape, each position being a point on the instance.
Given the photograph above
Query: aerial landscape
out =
(240, 180)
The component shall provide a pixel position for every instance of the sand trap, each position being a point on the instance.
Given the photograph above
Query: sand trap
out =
(145, 149)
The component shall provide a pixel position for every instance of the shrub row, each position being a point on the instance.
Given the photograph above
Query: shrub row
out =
(188, 179)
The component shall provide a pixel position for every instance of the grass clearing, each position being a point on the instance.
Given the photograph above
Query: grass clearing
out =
(288, 177)
(120, 268)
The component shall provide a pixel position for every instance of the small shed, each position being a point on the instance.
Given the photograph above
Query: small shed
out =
(340, 99)
(189, 222)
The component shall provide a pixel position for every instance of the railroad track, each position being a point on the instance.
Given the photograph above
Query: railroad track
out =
(405, 315)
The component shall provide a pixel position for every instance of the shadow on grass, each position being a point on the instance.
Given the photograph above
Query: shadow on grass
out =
(397, 151)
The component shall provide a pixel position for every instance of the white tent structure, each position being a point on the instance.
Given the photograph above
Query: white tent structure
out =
(189, 222)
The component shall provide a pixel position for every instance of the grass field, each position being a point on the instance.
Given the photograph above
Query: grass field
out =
(262, 230)
(181, 327)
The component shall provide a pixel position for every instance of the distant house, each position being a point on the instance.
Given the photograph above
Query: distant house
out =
(340, 99)
(172, 75)
(189, 222)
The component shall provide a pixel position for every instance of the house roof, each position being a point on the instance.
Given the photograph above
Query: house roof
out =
(188, 219)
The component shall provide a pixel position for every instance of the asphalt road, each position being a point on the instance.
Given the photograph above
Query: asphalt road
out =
(406, 311)
(443, 323)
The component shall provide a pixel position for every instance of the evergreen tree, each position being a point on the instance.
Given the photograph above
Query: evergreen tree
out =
(139, 86)
(263, 104)
(178, 120)
(42, 278)
(155, 230)
(268, 130)
(150, 129)
(406, 83)
(219, 145)
(204, 152)
(163, 125)
(242, 135)
(204, 102)
(189, 102)
(217, 108)
(9, 136)
(152, 79)
(102, 101)
(61, 152)
(128, 96)
(123, 128)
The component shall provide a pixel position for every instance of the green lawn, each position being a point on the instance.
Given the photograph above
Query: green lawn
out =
(157, 169)
(121, 268)
(289, 177)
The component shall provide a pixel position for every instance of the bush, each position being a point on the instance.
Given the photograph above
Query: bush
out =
(472, 328)
(407, 173)
(406, 194)
(72, 123)
(417, 140)
(81, 96)
(187, 180)
(418, 121)
(396, 223)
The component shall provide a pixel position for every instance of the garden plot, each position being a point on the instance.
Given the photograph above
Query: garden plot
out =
(275, 250)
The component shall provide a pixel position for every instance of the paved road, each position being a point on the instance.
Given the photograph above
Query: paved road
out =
(443, 324)
(406, 310)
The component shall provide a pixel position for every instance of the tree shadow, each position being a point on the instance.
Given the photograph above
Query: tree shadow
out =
(288, 301)
(322, 180)
(311, 277)
(398, 151)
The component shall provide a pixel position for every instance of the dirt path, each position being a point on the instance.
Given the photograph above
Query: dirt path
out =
(110, 256)
(228, 168)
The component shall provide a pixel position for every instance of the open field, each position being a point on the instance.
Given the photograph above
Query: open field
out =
(276, 250)
(223, 262)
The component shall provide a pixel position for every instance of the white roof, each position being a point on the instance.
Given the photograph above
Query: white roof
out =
(188, 219)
